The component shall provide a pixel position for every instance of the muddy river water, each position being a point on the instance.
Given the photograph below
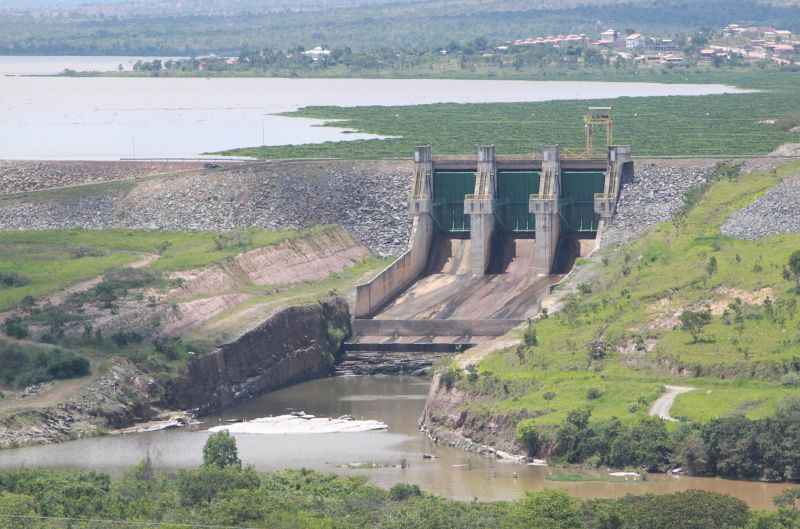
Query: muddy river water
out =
(397, 453)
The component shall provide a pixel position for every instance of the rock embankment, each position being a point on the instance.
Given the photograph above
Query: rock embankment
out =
(27, 176)
(294, 345)
(368, 198)
(118, 398)
(775, 213)
(655, 195)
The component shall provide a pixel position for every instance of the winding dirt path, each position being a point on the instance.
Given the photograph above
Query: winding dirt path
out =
(662, 406)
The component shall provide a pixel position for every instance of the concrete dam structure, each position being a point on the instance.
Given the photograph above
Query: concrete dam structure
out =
(489, 238)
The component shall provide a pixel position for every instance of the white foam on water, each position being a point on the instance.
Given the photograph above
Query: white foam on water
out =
(301, 424)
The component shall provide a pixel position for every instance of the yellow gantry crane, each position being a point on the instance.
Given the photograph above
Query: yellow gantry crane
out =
(598, 117)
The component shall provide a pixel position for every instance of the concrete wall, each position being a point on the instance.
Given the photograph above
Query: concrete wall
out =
(433, 328)
(372, 296)
(546, 208)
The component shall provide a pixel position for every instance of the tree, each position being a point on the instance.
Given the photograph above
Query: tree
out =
(711, 266)
(530, 338)
(529, 437)
(220, 451)
(694, 322)
(794, 268)
(549, 509)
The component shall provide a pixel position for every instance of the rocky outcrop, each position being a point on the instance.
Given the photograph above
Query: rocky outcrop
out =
(448, 420)
(294, 345)
(120, 397)
(383, 363)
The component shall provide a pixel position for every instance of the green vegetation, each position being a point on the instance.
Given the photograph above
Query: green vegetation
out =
(52, 260)
(220, 451)
(231, 497)
(23, 366)
(597, 366)
(199, 28)
(732, 124)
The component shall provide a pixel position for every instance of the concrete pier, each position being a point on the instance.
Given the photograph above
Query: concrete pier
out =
(545, 207)
(480, 206)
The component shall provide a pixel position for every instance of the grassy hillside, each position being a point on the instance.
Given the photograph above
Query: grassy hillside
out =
(622, 339)
(740, 124)
(683, 306)
(49, 261)
(124, 298)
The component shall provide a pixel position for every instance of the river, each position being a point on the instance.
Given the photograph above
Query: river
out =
(99, 118)
(396, 454)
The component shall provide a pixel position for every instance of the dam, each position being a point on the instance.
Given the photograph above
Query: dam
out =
(489, 238)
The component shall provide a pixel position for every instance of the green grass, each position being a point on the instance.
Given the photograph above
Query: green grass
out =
(715, 125)
(736, 369)
(46, 257)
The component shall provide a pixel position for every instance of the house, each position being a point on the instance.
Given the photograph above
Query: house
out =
(317, 53)
(634, 41)
(609, 35)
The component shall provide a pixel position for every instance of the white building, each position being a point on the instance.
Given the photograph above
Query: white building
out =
(634, 41)
(317, 53)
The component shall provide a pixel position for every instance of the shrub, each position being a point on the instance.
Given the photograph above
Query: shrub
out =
(403, 491)
(585, 288)
(24, 368)
(791, 380)
(529, 338)
(450, 377)
(593, 393)
(549, 395)
(16, 328)
(125, 338)
(86, 251)
(13, 279)
(694, 322)
(529, 437)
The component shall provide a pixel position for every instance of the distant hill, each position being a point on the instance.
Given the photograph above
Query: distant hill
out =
(193, 27)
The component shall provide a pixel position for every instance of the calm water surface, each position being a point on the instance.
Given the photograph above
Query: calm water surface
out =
(398, 401)
(112, 118)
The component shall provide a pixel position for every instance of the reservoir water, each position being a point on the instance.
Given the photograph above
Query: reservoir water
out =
(395, 455)
(101, 118)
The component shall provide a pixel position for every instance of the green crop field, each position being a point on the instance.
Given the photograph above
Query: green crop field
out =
(738, 363)
(714, 125)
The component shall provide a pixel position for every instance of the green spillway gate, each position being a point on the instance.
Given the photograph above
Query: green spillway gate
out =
(577, 200)
(449, 189)
(513, 191)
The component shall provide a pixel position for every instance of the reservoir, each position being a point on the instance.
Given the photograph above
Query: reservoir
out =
(102, 118)
(384, 457)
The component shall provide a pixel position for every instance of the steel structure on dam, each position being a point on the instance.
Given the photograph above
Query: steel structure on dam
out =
(489, 237)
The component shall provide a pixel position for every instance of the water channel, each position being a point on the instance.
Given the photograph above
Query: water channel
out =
(396, 454)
